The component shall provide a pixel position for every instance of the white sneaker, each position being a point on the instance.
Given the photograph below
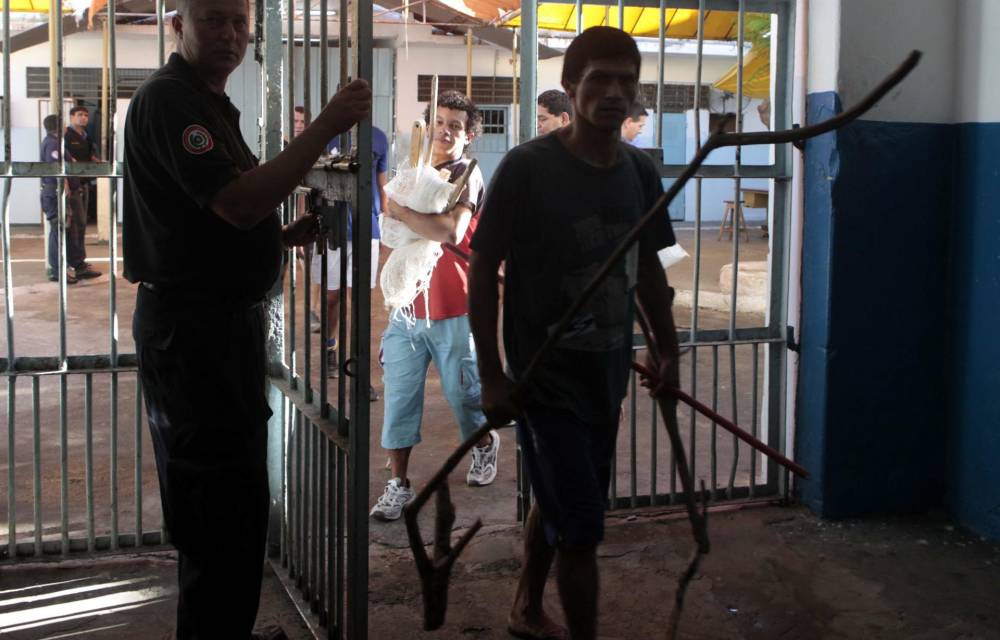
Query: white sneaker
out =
(484, 463)
(390, 504)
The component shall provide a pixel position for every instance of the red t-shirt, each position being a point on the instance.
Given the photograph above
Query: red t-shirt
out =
(448, 293)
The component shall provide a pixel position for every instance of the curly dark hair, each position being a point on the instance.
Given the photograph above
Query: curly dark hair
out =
(555, 102)
(598, 43)
(460, 102)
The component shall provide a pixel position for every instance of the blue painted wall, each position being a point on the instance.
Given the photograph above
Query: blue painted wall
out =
(872, 405)
(974, 491)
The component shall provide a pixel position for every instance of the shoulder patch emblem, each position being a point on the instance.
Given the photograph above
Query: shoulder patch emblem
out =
(197, 140)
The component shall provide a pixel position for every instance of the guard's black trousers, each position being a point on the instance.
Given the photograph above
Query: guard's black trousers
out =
(203, 375)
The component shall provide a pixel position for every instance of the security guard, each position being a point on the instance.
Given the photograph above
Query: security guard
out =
(204, 240)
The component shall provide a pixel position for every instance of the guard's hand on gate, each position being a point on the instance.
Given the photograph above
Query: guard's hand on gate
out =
(348, 106)
(301, 232)
(498, 400)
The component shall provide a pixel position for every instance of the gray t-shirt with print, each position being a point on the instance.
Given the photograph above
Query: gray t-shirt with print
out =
(554, 219)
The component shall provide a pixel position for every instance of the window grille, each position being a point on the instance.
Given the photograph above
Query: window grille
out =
(485, 89)
(84, 82)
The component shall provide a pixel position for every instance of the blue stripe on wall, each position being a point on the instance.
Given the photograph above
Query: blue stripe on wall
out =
(974, 491)
(872, 388)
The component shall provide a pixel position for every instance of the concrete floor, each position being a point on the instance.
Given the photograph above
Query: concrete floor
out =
(774, 572)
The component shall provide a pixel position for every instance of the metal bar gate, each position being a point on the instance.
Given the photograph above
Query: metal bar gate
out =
(77, 479)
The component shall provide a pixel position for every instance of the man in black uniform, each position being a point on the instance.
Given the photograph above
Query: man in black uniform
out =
(79, 148)
(202, 236)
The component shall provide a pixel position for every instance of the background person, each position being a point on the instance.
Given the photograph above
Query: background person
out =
(634, 123)
(79, 148)
(441, 330)
(554, 111)
(49, 152)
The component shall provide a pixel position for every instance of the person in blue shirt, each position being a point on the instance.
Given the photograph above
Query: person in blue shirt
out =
(380, 166)
(49, 152)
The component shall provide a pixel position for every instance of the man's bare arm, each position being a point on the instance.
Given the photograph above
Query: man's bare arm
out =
(656, 299)
(255, 194)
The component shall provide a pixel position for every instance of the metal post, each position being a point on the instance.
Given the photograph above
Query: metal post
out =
(696, 284)
(8, 282)
(113, 266)
(357, 513)
(88, 455)
(529, 72)
(660, 71)
(160, 36)
(579, 17)
(468, 62)
(36, 460)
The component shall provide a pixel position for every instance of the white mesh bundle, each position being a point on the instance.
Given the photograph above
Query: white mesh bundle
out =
(408, 269)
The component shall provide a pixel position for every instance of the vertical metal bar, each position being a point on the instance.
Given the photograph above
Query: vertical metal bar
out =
(342, 525)
(36, 460)
(331, 531)
(63, 464)
(343, 62)
(322, 498)
(529, 69)
(342, 327)
(292, 208)
(138, 461)
(113, 470)
(160, 38)
(775, 356)
(652, 453)
(8, 275)
(11, 441)
(736, 418)
(468, 62)
(696, 284)
(579, 17)
(8, 285)
(307, 59)
(309, 516)
(300, 499)
(715, 407)
(632, 421)
(88, 454)
(324, 55)
(753, 420)
(621, 14)
(358, 438)
(735, 226)
(661, 70)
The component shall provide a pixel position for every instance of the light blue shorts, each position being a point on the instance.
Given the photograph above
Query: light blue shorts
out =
(406, 353)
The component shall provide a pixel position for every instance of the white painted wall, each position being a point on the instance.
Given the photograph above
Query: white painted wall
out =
(824, 45)
(978, 64)
(877, 36)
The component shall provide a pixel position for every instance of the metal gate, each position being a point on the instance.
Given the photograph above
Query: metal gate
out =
(731, 322)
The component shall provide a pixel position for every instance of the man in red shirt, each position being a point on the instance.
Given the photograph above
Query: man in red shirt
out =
(441, 331)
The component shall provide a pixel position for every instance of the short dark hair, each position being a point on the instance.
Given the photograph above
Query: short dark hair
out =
(598, 43)
(77, 109)
(460, 102)
(555, 102)
(636, 111)
(300, 109)
(51, 123)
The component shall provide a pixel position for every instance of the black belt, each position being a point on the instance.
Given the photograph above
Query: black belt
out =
(215, 299)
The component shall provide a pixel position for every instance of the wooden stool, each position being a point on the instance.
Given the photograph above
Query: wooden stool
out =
(727, 220)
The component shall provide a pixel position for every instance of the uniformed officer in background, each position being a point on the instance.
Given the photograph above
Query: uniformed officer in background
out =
(203, 237)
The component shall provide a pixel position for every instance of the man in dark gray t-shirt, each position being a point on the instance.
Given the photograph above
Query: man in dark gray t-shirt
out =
(557, 208)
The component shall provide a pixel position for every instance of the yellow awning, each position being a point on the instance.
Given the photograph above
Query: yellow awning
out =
(756, 75)
(639, 21)
(32, 6)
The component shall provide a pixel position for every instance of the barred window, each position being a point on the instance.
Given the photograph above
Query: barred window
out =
(84, 83)
(485, 89)
(677, 98)
(494, 120)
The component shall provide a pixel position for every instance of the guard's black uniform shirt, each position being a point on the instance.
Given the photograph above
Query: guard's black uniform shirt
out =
(80, 149)
(182, 146)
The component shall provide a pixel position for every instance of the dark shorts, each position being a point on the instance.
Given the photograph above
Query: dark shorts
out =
(568, 462)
